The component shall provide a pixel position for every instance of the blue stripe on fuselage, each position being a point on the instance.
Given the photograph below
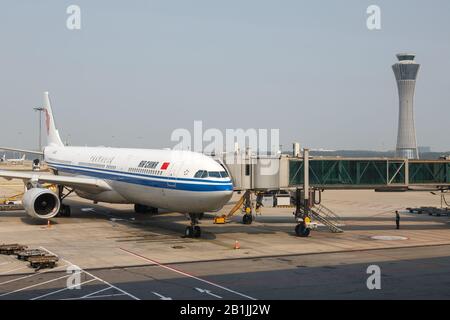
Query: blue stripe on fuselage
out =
(140, 174)
(147, 181)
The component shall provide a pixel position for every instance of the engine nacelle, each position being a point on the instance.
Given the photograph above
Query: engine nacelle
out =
(41, 203)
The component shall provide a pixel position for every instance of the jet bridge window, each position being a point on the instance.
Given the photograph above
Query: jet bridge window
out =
(201, 174)
(247, 169)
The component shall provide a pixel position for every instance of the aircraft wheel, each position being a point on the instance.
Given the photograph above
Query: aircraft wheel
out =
(197, 232)
(247, 219)
(139, 208)
(302, 231)
(153, 210)
(189, 232)
(64, 211)
(68, 211)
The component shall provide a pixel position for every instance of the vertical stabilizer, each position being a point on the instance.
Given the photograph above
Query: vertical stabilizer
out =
(53, 138)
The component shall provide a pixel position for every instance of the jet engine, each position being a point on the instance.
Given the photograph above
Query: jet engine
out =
(41, 203)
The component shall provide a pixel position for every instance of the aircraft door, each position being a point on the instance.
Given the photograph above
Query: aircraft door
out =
(173, 169)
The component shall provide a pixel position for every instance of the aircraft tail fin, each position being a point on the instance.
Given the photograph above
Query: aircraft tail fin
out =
(53, 138)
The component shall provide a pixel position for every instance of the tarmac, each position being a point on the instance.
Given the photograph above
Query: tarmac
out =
(124, 255)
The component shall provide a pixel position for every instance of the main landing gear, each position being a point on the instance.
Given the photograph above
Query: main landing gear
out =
(193, 231)
(139, 208)
(64, 209)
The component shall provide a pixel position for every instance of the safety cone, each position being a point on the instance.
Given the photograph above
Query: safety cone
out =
(49, 224)
(237, 245)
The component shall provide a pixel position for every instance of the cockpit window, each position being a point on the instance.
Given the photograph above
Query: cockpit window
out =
(224, 173)
(198, 174)
(214, 174)
(201, 174)
(211, 174)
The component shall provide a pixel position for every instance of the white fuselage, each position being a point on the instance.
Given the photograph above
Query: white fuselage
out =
(168, 179)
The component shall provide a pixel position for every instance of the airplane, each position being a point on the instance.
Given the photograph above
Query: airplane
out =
(13, 161)
(182, 181)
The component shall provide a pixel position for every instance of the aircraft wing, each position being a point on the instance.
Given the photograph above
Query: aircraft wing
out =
(101, 185)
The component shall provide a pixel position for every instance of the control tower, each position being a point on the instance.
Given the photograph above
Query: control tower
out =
(406, 71)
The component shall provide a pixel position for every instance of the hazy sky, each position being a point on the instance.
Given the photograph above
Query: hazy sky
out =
(137, 70)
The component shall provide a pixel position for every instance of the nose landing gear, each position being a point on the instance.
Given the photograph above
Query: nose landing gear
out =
(193, 231)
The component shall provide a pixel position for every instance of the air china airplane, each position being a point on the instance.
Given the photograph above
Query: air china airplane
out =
(13, 161)
(181, 181)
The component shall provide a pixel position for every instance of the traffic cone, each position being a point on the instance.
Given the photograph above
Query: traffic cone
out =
(237, 245)
(49, 224)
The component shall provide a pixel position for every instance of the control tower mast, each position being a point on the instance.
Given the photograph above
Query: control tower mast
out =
(406, 71)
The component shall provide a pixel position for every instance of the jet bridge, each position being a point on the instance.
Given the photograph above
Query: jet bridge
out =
(258, 173)
(286, 172)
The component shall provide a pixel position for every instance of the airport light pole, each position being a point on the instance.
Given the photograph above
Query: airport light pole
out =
(40, 109)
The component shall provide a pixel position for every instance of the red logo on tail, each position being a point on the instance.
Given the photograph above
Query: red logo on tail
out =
(47, 121)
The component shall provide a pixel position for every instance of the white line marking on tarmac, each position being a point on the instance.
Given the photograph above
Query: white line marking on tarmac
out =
(31, 275)
(101, 280)
(34, 285)
(98, 297)
(113, 286)
(208, 292)
(187, 274)
(6, 272)
(63, 289)
(96, 292)
(160, 296)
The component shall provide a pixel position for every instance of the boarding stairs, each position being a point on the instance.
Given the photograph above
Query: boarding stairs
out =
(327, 217)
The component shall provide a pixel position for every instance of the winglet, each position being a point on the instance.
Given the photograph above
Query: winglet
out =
(53, 138)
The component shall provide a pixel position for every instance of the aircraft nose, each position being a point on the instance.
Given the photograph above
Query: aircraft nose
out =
(222, 198)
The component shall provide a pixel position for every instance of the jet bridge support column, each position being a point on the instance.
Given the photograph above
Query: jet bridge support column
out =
(248, 214)
(302, 207)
